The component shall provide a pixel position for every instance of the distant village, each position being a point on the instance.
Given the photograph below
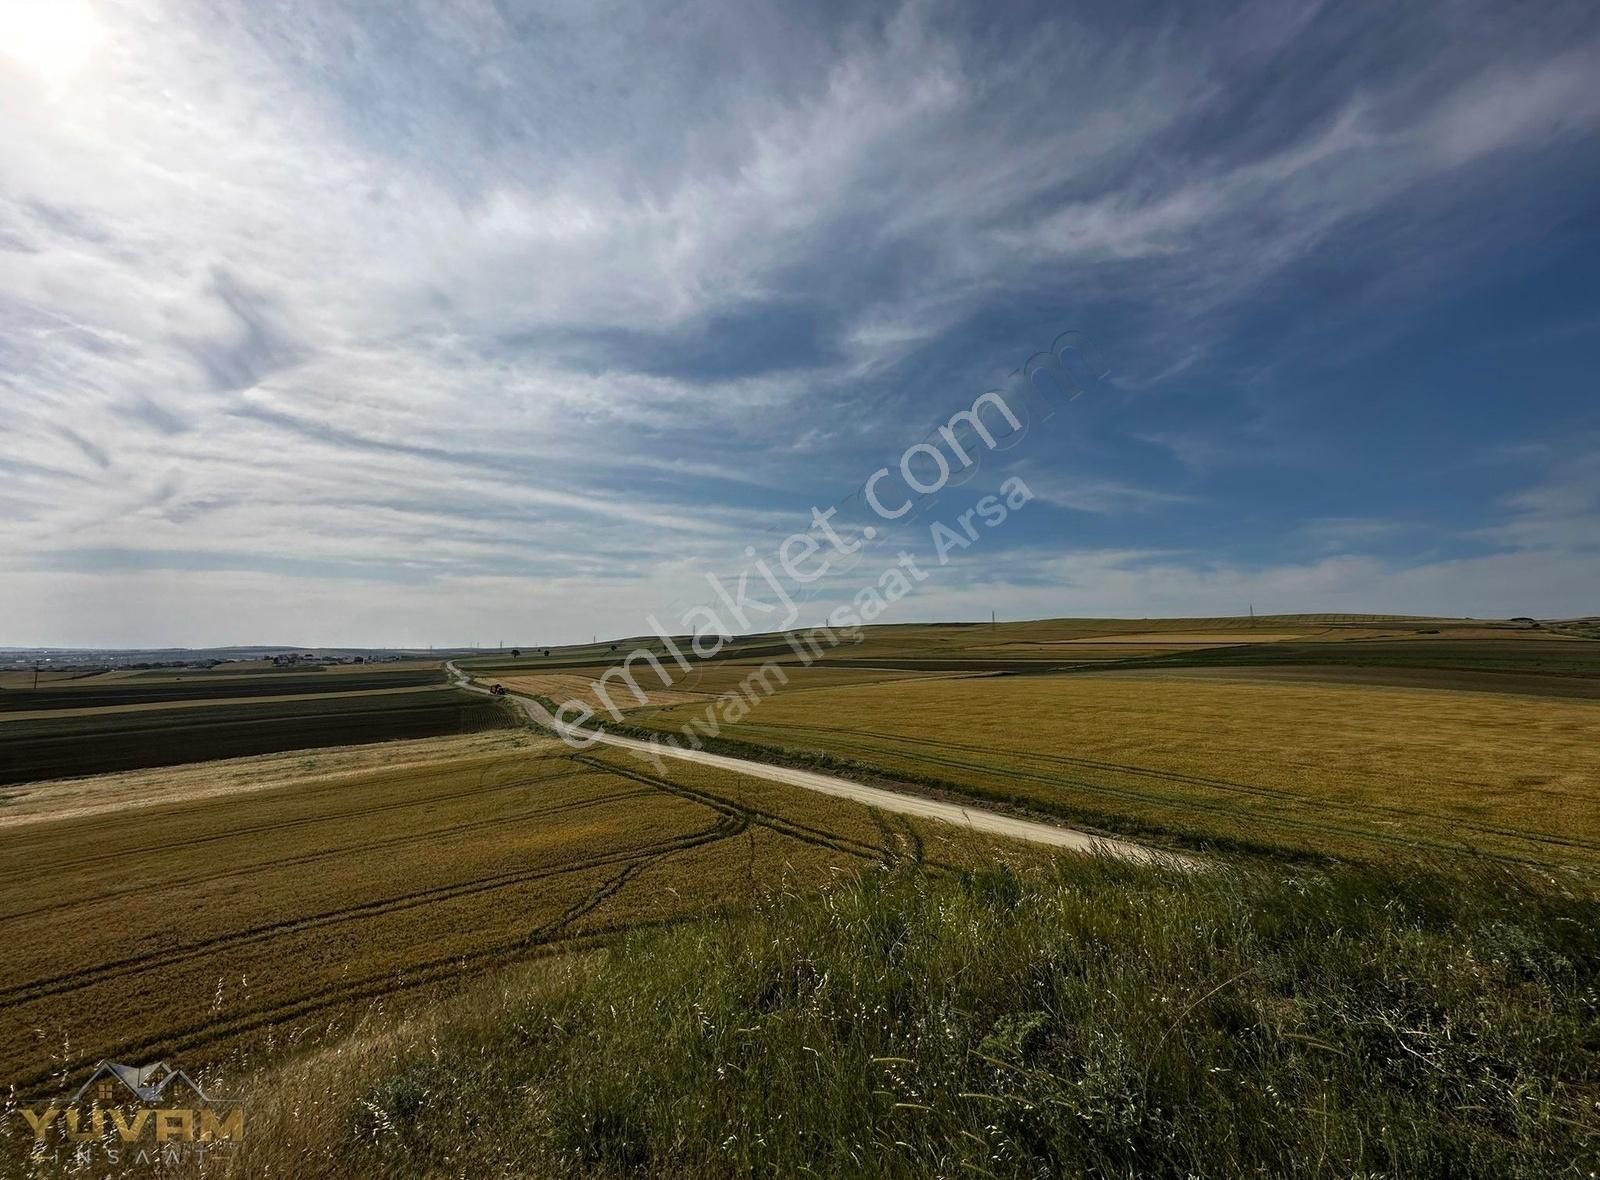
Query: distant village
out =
(89, 662)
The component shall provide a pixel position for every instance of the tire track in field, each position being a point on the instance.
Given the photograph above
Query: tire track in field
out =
(85, 977)
(891, 838)
(177, 1042)
(733, 819)
(535, 944)
(918, 851)
(728, 826)
(284, 825)
(785, 827)
(791, 829)
(370, 987)
(1187, 779)
(326, 853)
(1168, 802)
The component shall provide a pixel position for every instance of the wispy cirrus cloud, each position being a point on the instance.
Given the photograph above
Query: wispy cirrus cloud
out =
(427, 293)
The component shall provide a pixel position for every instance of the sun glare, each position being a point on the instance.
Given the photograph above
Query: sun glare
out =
(50, 38)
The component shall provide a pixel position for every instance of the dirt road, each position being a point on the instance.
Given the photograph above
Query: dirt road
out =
(975, 818)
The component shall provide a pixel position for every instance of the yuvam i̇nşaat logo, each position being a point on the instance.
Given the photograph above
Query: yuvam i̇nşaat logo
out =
(128, 1110)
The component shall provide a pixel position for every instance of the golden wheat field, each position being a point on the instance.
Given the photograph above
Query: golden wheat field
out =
(1313, 767)
(206, 911)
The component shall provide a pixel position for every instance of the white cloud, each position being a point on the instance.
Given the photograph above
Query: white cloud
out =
(447, 290)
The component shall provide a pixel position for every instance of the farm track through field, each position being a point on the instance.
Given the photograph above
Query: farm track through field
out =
(1186, 779)
(282, 825)
(341, 850)
(538, 942)
(73, 981)
(893, 839)
(727, 827)
(732, 819)
(784, 827)
(393, 982)
(730, 811)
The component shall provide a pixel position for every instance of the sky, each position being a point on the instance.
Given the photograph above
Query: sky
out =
(330, 323)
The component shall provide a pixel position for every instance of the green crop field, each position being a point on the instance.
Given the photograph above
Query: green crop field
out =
(100, 692)
(110, 722)
(38, 747)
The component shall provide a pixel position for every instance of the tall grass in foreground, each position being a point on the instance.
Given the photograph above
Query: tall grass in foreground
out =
(1099, 1019)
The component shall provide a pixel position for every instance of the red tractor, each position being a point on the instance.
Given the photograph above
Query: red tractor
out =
(497, 690)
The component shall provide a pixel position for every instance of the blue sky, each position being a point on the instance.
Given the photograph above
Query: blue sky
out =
(330, 323)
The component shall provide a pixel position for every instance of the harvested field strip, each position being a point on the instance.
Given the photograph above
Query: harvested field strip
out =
(104, 694)
(701, 683)
(1314, 825)
(1276, 793)
(581, 686)
(125, 795)
(1308, 768)
(420, 837)
(717, 678)
(277, 826)
(493, 771)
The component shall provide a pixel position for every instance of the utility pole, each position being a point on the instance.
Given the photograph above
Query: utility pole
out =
(36, 674)
(991, 621)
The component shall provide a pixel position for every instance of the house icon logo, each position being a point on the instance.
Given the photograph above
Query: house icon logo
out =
(122, 1113)
(112, 1082)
